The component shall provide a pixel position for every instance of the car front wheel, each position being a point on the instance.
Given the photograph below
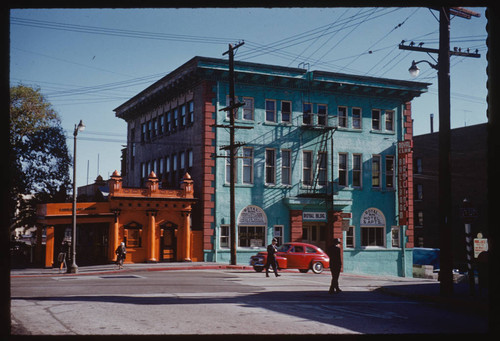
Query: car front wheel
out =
(317, 267)
(258, 268)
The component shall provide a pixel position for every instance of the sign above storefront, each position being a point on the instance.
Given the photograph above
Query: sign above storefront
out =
(314, 216)
(252, 215)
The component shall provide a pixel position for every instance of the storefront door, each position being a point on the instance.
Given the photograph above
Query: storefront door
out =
(314, 233)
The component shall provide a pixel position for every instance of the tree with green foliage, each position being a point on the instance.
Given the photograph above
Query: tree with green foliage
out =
(40, 160)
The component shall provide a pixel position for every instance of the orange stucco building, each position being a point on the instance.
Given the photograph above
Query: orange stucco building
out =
(154, 223)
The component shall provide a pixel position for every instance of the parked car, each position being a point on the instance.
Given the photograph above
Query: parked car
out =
(293, 255)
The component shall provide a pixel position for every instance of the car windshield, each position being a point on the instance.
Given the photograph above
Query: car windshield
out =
(284, 248)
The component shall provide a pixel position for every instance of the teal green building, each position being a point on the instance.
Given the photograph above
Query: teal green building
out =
(317, 158)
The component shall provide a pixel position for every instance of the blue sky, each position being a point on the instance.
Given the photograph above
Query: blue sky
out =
(89, 61)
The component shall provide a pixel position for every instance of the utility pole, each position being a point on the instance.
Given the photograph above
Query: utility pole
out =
(444, 178)
(233, 106)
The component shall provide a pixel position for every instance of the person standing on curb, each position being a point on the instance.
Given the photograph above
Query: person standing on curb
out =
(271, 258)
(335, 265)
(120, 251)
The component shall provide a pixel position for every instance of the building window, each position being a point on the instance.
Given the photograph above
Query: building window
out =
(357, 173)
(307, 114)
(183, 116)
(322, 170)
(389, 171)
(342, 117)
(343, 169)
(307, 168)
(396, 236)
(182, 163)
(175, 122)
(133, 235)
(161, 125)
(155, 127)
(190, 161)
(286, 167)
(419, 192)
(248, 109)
(247, 165)
(190, 112)
(322, 112)
(224, 238)
(419, 219)
(375, 119)
(143, 132)
(376, 171)
(278, 233)
(349, 237)
(389, 120)
(270, 166)
(168, 125)
(228, 169)
(286, 111)
(372, 236)
(270, 110)
(372, 228)
(356, 118)
(418, 166)
(251, 236)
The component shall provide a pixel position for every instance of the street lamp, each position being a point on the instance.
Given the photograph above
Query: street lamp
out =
(74, 268)
(414, 70)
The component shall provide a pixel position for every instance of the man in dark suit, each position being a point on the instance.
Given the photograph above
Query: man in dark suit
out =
(271, 258)
(335, 265)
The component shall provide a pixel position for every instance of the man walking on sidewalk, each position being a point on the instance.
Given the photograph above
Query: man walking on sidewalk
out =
(271, 258)
(335, 265)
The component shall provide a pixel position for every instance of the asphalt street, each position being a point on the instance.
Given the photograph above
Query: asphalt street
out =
(224, 301)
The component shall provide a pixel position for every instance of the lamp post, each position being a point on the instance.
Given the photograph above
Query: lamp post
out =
(74, 268)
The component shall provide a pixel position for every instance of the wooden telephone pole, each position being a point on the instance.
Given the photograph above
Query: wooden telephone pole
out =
(444, 178)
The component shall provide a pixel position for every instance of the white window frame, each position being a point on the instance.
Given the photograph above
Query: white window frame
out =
(389, 172)
(378, 120)
(278, 233)
(247, 165)
(342, 120)
(357, 120)
(288, 112)
(264, 235)
(348, 245)
(309, 114)
(377, 174)
(248, 107)
(356, 171)
(322, 168)
(389, 120)
(270, 166)
(345, 176)
(286, 169)
(309, 168)
(396, 237)
(324, 116)
(273, 111)
(224, 234)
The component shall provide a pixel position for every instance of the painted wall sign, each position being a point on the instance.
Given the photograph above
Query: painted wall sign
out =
(372, 217)
(252, 215)
(314, 216)
(404, 150)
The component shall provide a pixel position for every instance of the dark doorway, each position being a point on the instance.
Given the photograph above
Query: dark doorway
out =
(168, 242)
(92, 244)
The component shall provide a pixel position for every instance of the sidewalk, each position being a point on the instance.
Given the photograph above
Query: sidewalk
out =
(414, 288)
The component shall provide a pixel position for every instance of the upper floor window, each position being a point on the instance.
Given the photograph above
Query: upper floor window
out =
(389, 120)
(270, 110)
(376, 171)
(389, 171)
(322, 168)
(286, 167)
(307, 167)
(356, 170)
(342, 169)
(248, 108)
(307, 113)
(247, 165)
(375, 119)
(286, 111)
(270, 166)
(356, 118)
(322, 112)
(190, 112)
(342, 117)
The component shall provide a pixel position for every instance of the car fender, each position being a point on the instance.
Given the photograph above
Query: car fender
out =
(325, 262)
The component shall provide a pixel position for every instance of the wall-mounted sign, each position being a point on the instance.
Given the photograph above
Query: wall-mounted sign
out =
(372, 217)
(314, 216)
(252, 215)
(404, 156)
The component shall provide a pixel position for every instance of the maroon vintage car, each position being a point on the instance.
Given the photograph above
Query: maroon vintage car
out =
(300, 256)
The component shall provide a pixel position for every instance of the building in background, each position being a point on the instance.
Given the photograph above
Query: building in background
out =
(468, 178)
(319, 158)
